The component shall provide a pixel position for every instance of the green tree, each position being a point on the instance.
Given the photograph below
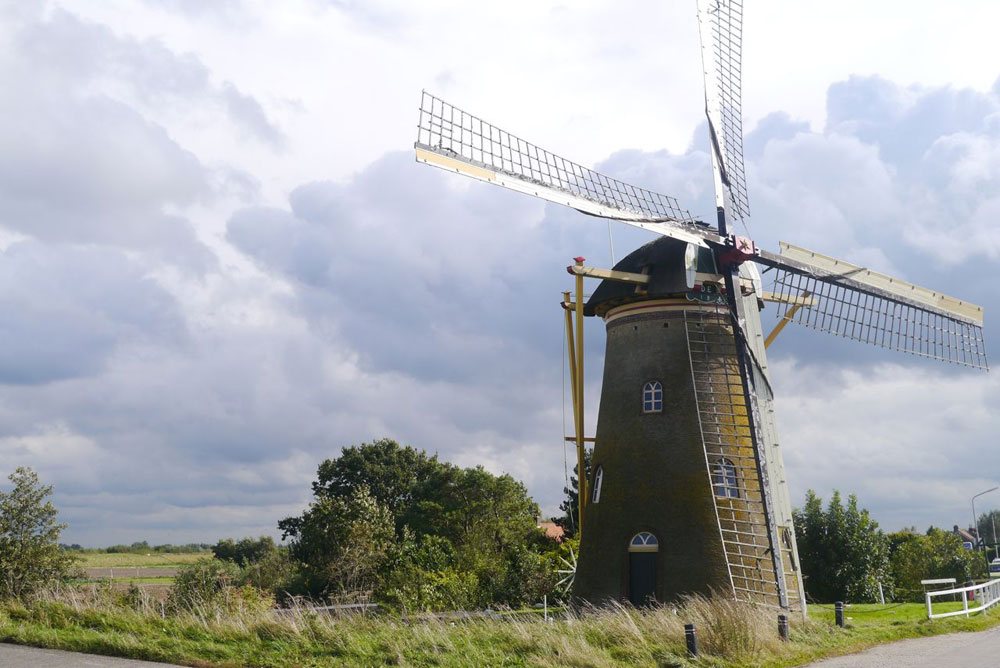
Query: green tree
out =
(570, 506)
(392, 474)
(340, 542)
(244, 551)
(988, 525)
(937, 554)
(488, 524)
(30, 557)
(845, 556)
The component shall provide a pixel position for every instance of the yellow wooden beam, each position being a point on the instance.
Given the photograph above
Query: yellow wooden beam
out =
(775, 297)
(581, 469)
(609, 274)
(787, 318)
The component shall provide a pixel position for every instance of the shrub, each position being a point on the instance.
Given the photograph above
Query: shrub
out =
(30, 556)
(202, 582)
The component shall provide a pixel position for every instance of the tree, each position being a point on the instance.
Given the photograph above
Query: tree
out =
(987, 525)
(340, 542)
(244, 551)
(571, 504)
(391, 473)
(937, 554)
(457, 537)
(30, 557)
(844, 555)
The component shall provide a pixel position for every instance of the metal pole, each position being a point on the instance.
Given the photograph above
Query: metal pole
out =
(881, 594)
(975, 518)
(580, 455)
(838, 608)
(691, 638)
(993, 519)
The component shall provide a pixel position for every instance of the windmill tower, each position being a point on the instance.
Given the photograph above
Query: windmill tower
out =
(687, 492)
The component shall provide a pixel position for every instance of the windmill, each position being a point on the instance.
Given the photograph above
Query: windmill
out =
(687, 492)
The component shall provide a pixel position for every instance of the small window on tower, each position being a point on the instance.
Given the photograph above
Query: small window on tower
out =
(598, 481)
(724, 479)
(652, 397)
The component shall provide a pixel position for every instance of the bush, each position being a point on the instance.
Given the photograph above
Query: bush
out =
(202, 582)
(275, 573)
(244, 551)
(845, 556)
(30, 556)
(938, 554)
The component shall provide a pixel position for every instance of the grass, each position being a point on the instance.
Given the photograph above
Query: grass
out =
(128, 560)
(228, 634)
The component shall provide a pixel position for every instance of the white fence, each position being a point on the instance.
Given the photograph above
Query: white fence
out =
(986, 595)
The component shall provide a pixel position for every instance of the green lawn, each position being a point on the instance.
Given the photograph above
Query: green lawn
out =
(150, 560)
(226, 636)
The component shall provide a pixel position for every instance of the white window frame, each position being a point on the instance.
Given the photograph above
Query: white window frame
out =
(644, 541)
(725, 480)
(598, 482)
(652, 397)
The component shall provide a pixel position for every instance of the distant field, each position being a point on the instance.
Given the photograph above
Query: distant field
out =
(151, 560)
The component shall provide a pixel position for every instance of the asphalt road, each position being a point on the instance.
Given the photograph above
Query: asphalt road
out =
(955, 650)
(15, 656)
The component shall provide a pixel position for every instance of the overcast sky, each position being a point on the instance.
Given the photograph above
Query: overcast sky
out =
(221, 263)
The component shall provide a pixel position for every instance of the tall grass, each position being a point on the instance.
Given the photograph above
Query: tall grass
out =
(235, 630)
(228, 629)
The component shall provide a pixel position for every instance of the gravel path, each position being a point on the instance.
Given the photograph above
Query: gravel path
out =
(15, 656)
(954, 650)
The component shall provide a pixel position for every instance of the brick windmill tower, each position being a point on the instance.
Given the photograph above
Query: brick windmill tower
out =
(687, 492)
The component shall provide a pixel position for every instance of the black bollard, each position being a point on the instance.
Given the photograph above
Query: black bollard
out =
(783, 626)
(691, 638)
(839, 608)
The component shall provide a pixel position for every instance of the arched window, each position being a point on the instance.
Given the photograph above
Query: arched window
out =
(644, 542)
(724, 479)
(642, 555)
(598, 480)
(652, 397)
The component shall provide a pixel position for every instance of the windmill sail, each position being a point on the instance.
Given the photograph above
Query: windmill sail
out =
(721, 24)
(850, 301)
(453, 139)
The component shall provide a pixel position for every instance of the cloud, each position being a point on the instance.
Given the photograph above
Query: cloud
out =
(910, 442)
(69, 309)
(180, 352)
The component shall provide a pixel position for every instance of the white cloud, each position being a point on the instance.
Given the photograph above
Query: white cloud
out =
(220, 265)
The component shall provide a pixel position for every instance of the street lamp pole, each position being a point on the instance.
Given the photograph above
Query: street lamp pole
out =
(975, 518)
(993, 519)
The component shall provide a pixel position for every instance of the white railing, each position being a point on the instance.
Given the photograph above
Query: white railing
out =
(986, 595)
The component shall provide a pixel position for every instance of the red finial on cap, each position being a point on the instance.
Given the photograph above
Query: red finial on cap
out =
(579, 259)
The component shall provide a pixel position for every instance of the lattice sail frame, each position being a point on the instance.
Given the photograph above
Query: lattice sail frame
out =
(721, 26)
(856, 303)
(445, 131)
